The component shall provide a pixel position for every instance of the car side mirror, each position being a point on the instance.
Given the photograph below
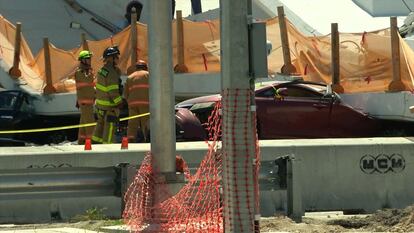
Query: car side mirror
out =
(329, 89)
(329, 94)
(280, 93)
(332, 96)
(283, 91)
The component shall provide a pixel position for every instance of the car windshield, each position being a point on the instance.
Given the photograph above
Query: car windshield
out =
(198, 106)
(317, 88)
(8, 101)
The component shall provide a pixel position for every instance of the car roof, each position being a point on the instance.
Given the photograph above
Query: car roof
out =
(208, 98)
(14, 92)
(318, 87)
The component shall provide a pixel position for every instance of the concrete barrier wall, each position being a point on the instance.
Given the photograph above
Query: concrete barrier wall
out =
(46, 210)
(348, 174)
(334, 174)
(99, 156)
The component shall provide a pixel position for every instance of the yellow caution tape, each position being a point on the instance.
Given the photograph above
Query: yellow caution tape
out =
(132, 117)
(65, 127)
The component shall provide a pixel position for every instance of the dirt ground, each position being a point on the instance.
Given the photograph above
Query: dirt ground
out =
(388, 220)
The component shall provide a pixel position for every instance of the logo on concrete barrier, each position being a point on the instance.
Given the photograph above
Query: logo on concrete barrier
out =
(382, 163)
(50, 165)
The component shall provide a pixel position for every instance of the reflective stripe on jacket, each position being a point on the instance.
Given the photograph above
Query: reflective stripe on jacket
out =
(137, 103)
(85, 87)
(136, 88)
(107, 87)
(80, 85)
(86, 101)
(108, 103)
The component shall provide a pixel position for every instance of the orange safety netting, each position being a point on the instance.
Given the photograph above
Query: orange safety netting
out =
(220, 188)
(197, 207)
(240, 161)
(365, 58)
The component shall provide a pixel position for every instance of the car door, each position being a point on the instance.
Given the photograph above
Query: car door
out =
(349, 122)
(296, 112)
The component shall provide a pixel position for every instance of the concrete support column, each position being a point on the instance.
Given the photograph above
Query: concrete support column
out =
(162, 118)
(238, 139)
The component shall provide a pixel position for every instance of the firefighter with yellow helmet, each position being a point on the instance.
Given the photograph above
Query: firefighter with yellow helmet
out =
(137, 95)
(108, 97)
(85, 93)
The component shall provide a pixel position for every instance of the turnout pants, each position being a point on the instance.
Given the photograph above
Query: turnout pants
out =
(135, 123)
(86, 117)
(106, 126)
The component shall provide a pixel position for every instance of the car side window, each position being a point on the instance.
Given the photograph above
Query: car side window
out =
(7, 101)
(25, 106)
(300, 92)
(270, 92)
(290, 91)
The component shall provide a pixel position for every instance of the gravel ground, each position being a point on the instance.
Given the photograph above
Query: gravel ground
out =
(387, 220)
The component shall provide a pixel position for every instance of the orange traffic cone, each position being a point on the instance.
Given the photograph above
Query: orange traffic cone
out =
(124, 144)
(88, 144)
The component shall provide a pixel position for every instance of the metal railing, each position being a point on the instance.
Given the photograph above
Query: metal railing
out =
(64, 182)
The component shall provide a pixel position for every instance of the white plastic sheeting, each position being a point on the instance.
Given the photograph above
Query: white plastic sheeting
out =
(319, 14)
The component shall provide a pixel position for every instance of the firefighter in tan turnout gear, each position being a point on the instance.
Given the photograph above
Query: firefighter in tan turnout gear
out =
(108, 97)
(137, 95)
(85, 92)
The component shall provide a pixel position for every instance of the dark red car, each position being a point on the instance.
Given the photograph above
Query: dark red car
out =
(297, 109)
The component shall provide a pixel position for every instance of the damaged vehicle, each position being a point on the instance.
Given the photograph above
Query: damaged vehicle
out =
(17, 113)
(297, 109)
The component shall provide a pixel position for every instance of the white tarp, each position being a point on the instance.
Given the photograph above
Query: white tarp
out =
(319, 14)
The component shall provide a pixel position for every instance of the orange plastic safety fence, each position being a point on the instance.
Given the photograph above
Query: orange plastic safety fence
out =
(197, 207)
(365, 58)
(238, 171)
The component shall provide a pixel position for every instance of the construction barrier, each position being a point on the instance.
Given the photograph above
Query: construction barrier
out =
(212, 191)
(365, 58)
(197, 207)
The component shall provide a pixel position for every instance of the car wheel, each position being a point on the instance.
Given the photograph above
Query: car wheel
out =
(56, 137)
